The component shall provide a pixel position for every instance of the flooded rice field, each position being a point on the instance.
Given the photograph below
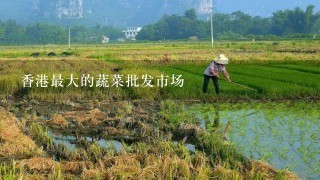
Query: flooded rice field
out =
(286, 135)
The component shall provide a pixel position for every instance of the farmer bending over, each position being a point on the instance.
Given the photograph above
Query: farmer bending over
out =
(213, 70)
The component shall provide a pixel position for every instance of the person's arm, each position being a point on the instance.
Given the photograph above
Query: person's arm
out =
(213, 71)
(226, 74)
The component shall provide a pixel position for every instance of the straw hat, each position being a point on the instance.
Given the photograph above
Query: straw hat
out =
(221, 59)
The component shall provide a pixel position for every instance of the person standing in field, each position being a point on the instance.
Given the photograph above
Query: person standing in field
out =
(212, 72)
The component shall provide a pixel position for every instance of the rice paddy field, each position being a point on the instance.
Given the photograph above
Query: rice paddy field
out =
(137, 111)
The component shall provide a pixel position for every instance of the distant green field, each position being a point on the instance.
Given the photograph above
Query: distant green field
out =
(176, 50)
(282, 70)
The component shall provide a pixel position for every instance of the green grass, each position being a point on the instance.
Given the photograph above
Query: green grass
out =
(271, 82)
(285, 75)
(301, 68)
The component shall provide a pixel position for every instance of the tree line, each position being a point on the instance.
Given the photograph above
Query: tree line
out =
(12, 33)
(172, 27)
(234, 25)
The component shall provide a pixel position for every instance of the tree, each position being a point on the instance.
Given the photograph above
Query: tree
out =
(111, 32)
(161, 29)
(175, 27)
(14, 33)
(260, 26)
(2, 30)
(309, 19)
(191, 14)
(241, 22)
(80, 34)
(42, 33)
(147, 33)
(294, 21)
(316, 27)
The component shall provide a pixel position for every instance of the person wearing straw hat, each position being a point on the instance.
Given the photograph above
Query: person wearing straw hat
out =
(212, 72)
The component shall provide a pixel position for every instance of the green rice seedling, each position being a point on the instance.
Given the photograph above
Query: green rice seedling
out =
(142, 91)
(303, 67)
(96, 151)
(268, 88)
(41, 135)
(191, 88)
(112, 150)
(75, 155)
(196, 81)
(7, 172)
(274, 73)
(175, 114)
(182, 151)
(84, 155)
(278, 135)
(219, 151)
(10, 171)
(57, 173)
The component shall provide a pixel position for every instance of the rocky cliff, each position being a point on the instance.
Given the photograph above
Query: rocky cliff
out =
(94, 12)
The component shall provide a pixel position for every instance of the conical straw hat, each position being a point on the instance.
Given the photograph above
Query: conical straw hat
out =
(221, 59)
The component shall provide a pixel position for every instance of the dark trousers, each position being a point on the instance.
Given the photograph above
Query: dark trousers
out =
(206, 82)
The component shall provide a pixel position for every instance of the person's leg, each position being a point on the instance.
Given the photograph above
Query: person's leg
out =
(216, 84)
(206, 80)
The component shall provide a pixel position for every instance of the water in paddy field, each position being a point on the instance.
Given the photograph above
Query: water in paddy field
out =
(286, 135)
(70, 141)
